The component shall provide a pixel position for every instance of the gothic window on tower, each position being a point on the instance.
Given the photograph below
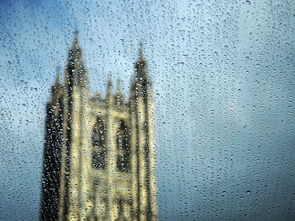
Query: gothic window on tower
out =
(123, 148)
(99, 147)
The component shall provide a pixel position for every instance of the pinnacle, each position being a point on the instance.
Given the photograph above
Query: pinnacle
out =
(110, 85)
(57, 77)
(141, 50)
(76, 36)
(119, 87)
(76, 41)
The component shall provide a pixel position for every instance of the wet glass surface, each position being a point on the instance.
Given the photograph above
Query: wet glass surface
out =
(221, 79)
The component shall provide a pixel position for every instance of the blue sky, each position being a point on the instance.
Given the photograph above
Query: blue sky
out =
(223, 74)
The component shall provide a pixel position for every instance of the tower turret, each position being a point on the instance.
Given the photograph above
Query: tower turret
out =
(75, 116)
(142, 119)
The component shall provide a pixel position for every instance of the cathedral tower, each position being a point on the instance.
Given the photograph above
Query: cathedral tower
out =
(99, 157)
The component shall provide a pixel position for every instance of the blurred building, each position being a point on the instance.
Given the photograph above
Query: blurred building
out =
(99, 157)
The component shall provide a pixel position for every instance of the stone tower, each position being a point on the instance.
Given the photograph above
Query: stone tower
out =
(99, 157)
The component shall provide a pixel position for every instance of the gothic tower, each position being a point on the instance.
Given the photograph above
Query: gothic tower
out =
(99, 156)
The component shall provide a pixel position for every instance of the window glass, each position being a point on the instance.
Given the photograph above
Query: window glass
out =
(205, 90)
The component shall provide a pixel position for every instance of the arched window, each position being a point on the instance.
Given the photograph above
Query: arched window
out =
(99, 147)
(123, 148)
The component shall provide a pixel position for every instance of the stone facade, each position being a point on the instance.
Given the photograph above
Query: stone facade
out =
(99, 157)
